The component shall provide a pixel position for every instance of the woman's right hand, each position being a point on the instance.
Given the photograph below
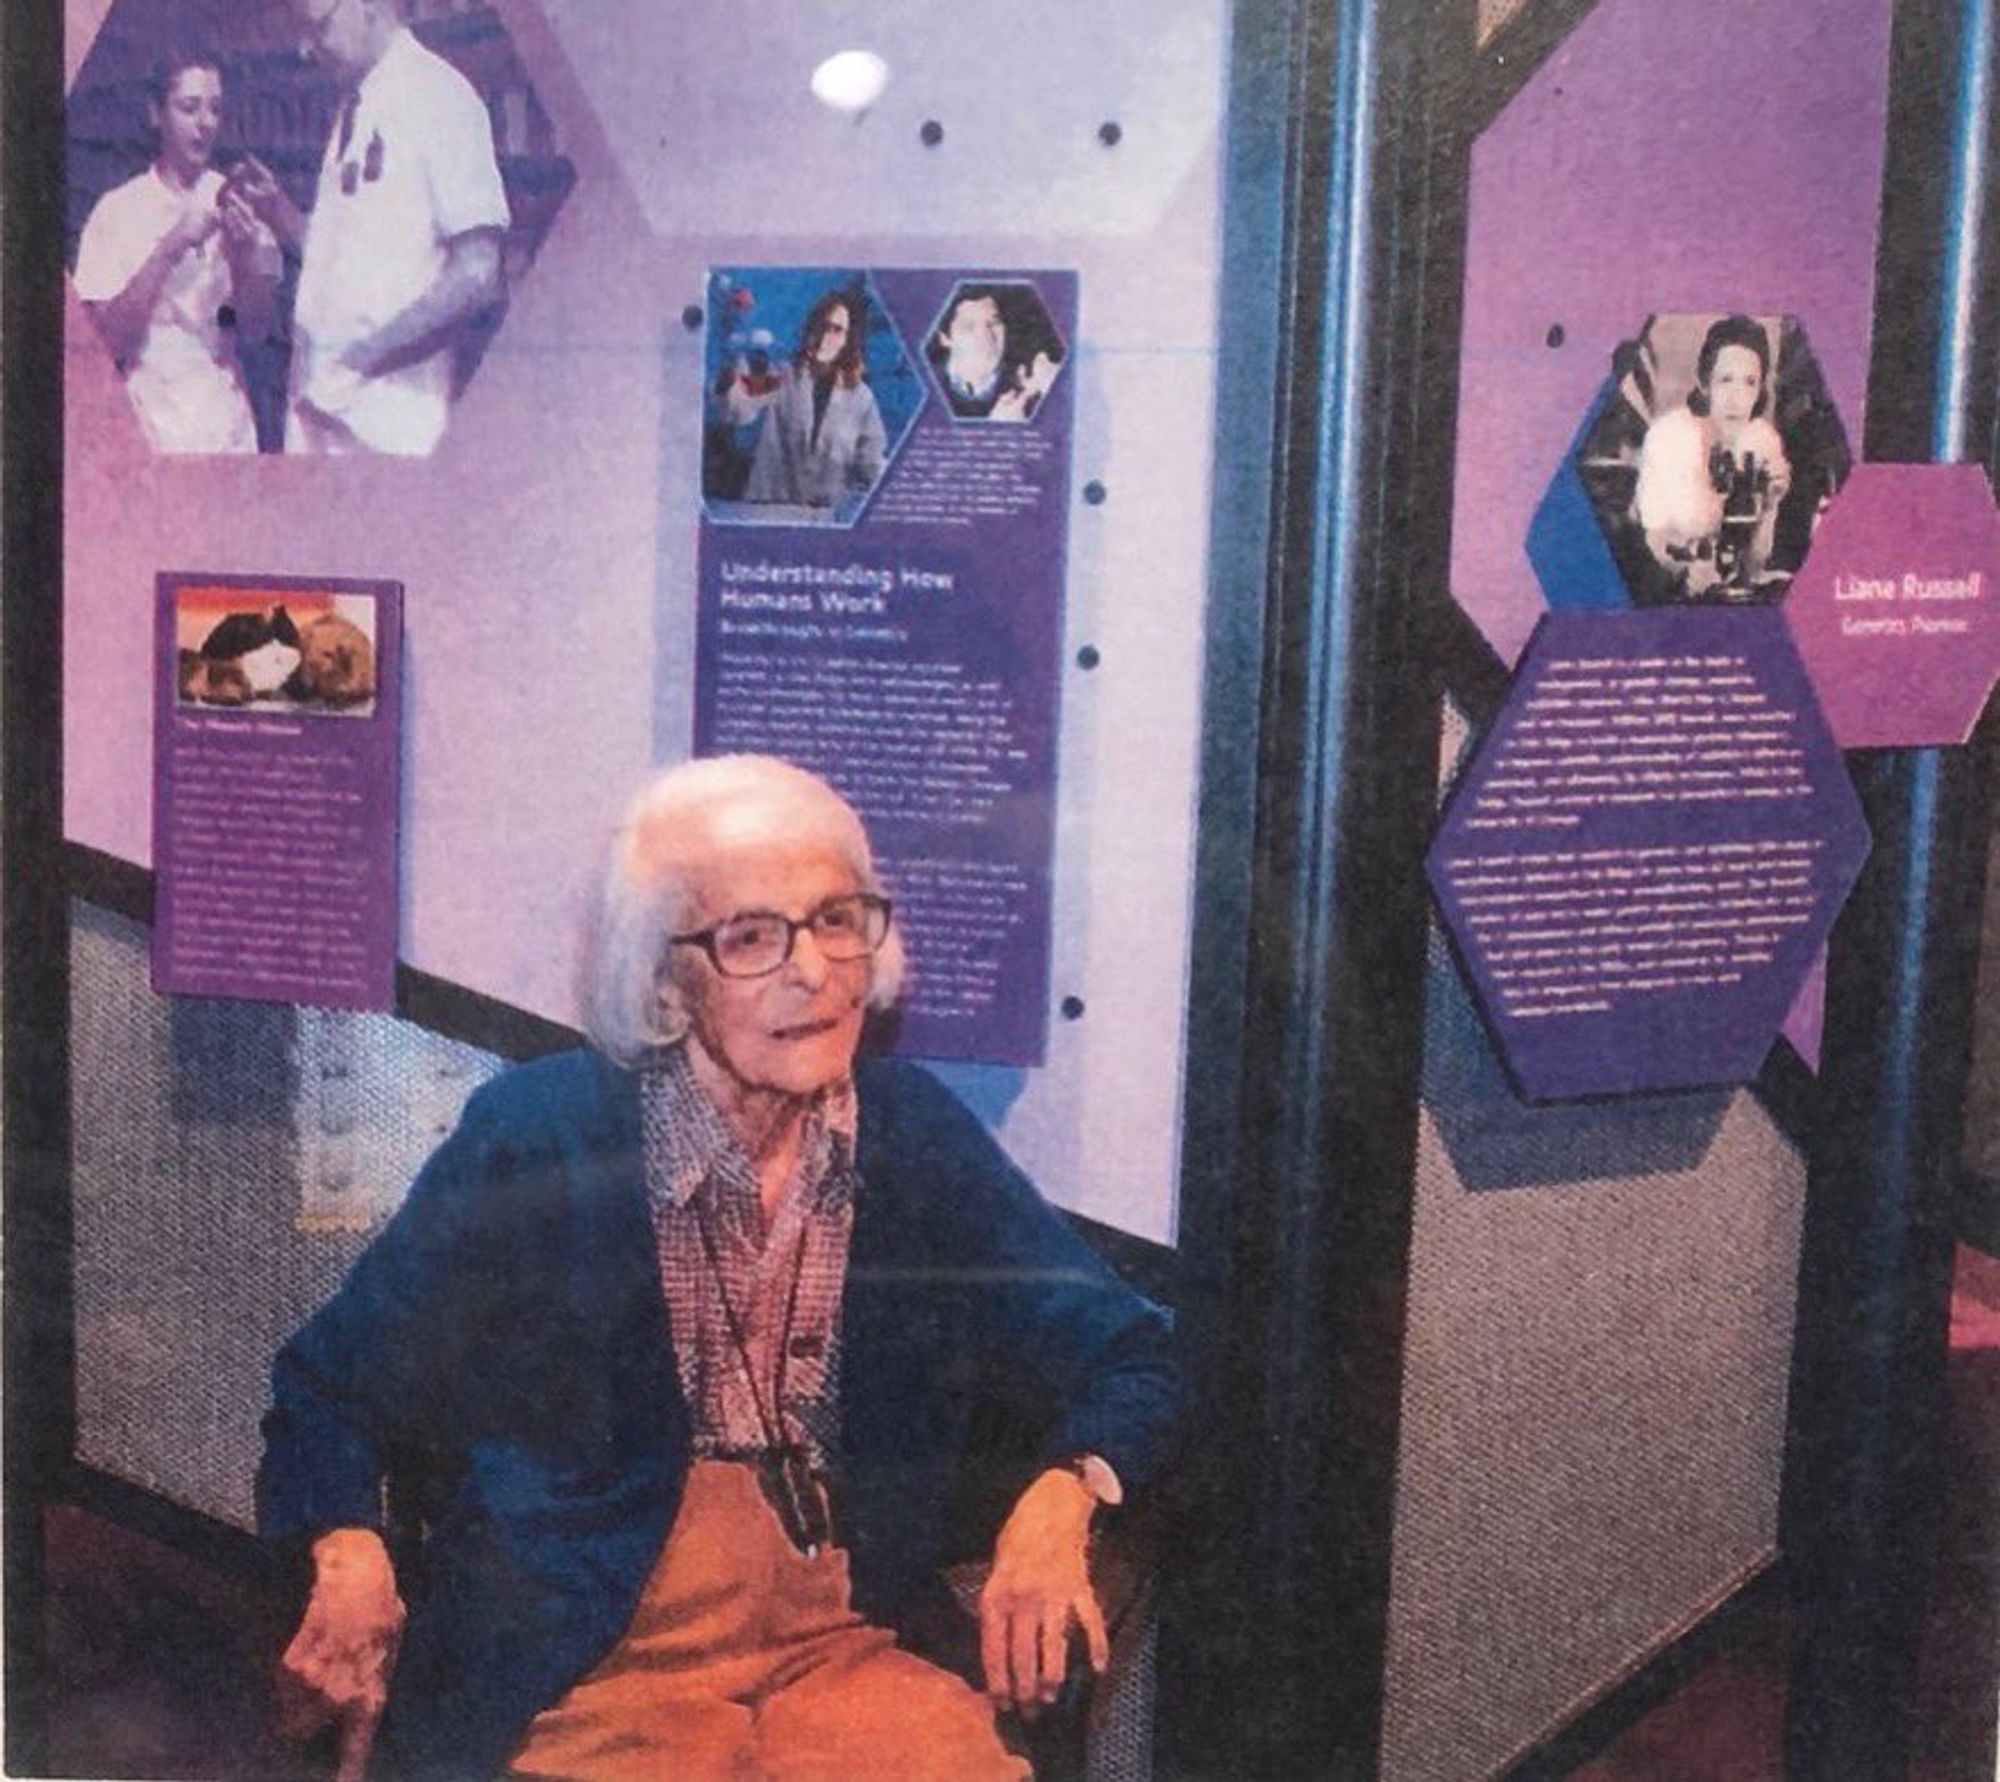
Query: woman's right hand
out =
(195, 224)
(338, 1663)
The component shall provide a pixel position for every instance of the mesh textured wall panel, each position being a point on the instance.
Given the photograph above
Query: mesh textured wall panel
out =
(197, 1124)
(1593, 1425)
(1593, 1397)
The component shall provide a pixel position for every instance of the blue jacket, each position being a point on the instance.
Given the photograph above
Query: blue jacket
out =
(508, 1328)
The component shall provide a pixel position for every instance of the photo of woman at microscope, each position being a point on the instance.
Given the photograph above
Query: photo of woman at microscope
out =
(1713, 459)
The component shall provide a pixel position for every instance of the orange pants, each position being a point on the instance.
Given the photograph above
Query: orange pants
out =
(745, 1662)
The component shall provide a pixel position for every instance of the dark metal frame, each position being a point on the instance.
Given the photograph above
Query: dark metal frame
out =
(1345, 176)
(40, 1411)
(1862, 1492)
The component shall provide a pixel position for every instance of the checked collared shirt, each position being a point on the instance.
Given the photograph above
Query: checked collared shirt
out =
(783, 1280)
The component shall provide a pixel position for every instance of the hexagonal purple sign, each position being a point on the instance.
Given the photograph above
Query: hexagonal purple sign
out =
(1642, 859)
(1897, 611)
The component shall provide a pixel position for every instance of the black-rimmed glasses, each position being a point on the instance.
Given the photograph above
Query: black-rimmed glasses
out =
(755, 943)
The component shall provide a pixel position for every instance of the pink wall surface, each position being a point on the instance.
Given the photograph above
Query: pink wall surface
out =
(548, 550)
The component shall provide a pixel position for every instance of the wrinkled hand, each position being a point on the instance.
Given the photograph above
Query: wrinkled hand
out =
(1039, 1591)
(337, 1666)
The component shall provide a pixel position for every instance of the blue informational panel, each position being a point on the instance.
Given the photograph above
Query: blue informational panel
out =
(885, 479)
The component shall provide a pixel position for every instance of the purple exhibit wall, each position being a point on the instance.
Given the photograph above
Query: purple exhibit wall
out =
(525, 547)
(1739, 168)
(1633, 1280)
(548, 550)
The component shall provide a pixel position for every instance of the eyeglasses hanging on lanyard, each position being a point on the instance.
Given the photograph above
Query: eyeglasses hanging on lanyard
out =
(796, 1493)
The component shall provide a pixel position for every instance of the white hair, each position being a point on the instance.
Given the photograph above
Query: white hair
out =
(631, 1006)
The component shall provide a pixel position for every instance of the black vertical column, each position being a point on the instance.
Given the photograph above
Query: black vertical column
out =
(1298, 1187)
(36, 988)
(1875, 1276)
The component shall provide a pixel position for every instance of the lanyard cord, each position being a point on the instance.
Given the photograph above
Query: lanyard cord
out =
(772, 1426)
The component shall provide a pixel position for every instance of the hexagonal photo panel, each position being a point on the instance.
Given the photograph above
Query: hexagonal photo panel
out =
(1699, 474)
(994, 351)
(295, 228)
(811, 393)
(1897, 611)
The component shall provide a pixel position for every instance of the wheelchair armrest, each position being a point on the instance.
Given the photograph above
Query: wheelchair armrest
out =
(1098, 1726)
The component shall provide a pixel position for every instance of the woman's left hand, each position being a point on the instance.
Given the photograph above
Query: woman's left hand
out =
(1039, 1591)
(244, 232)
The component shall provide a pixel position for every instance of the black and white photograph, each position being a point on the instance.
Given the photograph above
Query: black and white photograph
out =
(295, 223)
(1712, 457)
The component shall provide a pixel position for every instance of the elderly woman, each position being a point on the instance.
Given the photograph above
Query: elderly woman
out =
(684, 1323)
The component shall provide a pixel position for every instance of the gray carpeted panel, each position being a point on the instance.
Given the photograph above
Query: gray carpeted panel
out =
(1593, 1427)
(196, 1157)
